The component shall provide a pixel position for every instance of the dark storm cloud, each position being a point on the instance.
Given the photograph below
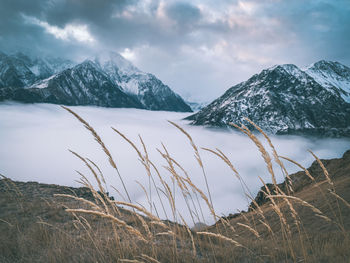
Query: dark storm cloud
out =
(12, 25)
(17, 33)
(88, 11)
(183, 13)
(199, 47)
(163, 25)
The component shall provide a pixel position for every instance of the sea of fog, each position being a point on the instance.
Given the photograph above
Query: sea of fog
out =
(35, 139)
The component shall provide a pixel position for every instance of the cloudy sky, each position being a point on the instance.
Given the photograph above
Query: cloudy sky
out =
(199, 48)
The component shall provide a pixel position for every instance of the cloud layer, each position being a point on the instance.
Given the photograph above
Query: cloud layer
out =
(35, 140)
(199, 48)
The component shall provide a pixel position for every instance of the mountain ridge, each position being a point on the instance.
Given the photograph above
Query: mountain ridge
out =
(149, 90)
(282, 99)
(110, 81)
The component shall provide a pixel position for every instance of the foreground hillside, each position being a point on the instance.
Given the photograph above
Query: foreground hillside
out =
(316, 192)
(36, 227)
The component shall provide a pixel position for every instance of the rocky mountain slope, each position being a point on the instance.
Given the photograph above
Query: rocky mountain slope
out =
(20, 70)
(108, 80)
(83, 84)
(287, 100)
(333, 76)
(149, 90)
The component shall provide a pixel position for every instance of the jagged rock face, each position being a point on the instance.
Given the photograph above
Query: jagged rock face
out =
(14, 72)
(150, 91)
(281, 100)
(157, 96)
(19, 70)
(38, 67)
(108, 80)
(84, 84)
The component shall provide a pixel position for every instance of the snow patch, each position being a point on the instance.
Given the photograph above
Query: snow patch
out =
(42, 84)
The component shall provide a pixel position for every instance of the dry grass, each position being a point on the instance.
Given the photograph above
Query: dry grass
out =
(300, 220)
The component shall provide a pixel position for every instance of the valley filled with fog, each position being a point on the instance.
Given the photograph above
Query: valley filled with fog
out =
(35, 139)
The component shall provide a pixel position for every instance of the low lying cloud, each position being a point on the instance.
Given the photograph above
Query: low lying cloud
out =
(35, 140)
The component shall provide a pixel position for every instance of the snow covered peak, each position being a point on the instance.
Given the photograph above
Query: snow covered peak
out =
(86, 67)
(87, 63)
(286, 68)
(325, 65)
(274, 75)
(112, 61)
(15, 72)
(291, 69)
(149, 90)
(42, 68)
(332, 75)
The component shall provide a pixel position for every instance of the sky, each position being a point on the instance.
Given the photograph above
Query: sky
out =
(198, 48)
(35, 139)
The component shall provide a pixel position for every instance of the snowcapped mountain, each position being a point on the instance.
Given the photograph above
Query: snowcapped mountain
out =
(149, 90)
(333, 76)
(107, 80)
(14, 72)
(43, 67)
(197, 106)
(20, 70)
(84, 84)
(284, 100)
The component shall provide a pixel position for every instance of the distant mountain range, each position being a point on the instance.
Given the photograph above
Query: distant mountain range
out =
(107, 80)
(287, 100)
(196, 106)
